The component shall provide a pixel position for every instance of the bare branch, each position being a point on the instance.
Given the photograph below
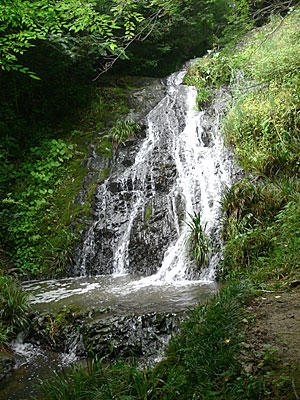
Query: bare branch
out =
(152, 20)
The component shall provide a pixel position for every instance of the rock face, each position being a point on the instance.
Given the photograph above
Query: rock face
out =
(7, 364)
(136, 213)
(130, 335)
(118, 194)
(174, 167)
(103, 334)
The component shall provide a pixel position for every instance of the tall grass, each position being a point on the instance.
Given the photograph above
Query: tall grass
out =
(261, 212)
(14, 309)
(263, 124)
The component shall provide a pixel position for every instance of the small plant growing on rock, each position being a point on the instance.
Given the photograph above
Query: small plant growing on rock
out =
(123, 130)
(200, 241)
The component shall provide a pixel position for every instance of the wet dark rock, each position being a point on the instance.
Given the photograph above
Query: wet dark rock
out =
(295, 284)
(115, 187)
(129, 335)
(7, 364)
(150, 237)
(100, 333)
(147, 93)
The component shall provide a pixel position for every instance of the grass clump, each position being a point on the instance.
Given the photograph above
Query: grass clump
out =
(200, 242)
(14, 309)
(122, 130)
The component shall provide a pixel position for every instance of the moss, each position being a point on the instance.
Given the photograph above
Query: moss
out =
(148, 212)
(104, 173)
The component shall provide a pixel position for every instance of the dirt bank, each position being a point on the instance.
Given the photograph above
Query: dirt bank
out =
(272, 346)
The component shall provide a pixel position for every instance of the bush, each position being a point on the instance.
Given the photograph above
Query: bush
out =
(209, 73)
(23, 211)
(261, 229)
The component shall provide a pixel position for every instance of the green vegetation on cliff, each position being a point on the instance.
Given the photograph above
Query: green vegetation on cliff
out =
(40, 214)
(261, 212)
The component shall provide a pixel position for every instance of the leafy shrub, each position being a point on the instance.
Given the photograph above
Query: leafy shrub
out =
(209, 73)
(23, 211)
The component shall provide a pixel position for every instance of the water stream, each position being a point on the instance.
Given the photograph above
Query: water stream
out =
(135, 256)
(180, 168)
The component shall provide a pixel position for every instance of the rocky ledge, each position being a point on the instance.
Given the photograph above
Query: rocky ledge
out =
(103, 332)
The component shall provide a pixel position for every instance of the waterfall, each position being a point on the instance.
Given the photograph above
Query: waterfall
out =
(179, 168)
(133, 269)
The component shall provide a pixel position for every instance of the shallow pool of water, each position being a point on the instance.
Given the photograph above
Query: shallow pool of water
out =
(120, 294)
(123, 293)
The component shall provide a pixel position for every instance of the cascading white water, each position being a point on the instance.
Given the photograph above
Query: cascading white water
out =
(203, 172)
(191, 143)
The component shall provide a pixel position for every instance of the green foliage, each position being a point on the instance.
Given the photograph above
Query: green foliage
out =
(99, 381)
(200, 243)
(204, 352)
(261, 226)
(122, 130)
(209, 73)
(40, 217)
(22, 211)
(187, 30)
(264, 121)
(25, 23)
(257, 242)
(14, 309)
(262, 129)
